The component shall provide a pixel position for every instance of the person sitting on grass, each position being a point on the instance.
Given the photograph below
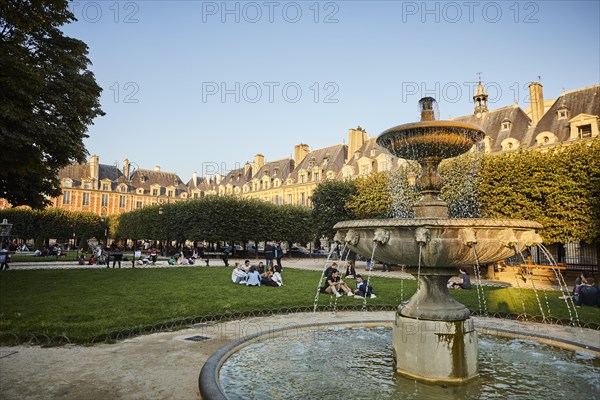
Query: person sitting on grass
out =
(253, 278)
(267, 278)
(350, 271)
(334, 284)
(580, 280)
(587, 294)
(238, 275)
(276, 277)
(363, 289)
(464, 280)
(92, 260)
(171, 261)
(330, 269)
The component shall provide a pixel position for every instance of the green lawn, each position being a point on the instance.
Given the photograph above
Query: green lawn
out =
(68, 256)
(84, 304)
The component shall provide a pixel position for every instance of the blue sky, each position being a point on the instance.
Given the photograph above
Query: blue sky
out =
(205, 85)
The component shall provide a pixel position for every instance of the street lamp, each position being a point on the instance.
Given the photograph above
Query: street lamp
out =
(5, 228)
(161, 200)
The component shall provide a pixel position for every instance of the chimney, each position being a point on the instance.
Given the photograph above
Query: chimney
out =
(537, 102)
(247, 167)
(218, 178)
(94, 170)
(195, 178)
(300, 152)
(126, 168)
(207, 177)
(259, 162)
(356, 138)
(157, 169)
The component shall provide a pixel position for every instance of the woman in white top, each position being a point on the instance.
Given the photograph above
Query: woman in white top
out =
(274, 275)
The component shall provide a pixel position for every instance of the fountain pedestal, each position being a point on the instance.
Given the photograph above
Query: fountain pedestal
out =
(433, 336)
(435, 350)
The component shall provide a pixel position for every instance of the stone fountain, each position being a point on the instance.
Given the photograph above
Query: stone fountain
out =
(434, 337)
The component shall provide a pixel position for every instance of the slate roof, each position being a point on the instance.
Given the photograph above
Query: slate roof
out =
(161, 178)
(491, 123)
(278, 169)
(336, 156)
(78, 172)
(581, 101)
(366, 150)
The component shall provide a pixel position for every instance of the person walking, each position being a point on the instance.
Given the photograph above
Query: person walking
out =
(4, 254)
(278, 255)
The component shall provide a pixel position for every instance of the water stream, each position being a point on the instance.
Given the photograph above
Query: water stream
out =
(364, 308)
(530, 275)
(480, 295)
(564, 289)
(320, 284)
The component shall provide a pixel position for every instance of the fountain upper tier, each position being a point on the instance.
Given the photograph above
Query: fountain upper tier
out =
(421, 140)
(430, 138)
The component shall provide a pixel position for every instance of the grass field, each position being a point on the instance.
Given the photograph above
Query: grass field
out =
(82, 304)
(19, 257)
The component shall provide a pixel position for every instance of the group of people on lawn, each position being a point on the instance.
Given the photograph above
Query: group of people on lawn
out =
(251, 275)
(334, 284)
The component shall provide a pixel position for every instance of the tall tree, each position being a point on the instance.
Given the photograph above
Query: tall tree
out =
(372, 198)
(330, 205)
(48, 98)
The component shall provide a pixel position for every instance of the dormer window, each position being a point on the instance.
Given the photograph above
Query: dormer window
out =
(546, 138)
(562, 112)
(67, 183)
(510, 144)
(584, 131)
(140, 191)
(170, 193)
(105, 186)
(357, 155)
(123, 189)
(506, 124)
(373, 152)
(142, 179)
(86, 185)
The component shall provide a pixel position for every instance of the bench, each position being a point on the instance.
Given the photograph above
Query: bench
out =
(208, 255)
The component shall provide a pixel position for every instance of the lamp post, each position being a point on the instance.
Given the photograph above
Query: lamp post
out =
(161, 200)
(5, 228)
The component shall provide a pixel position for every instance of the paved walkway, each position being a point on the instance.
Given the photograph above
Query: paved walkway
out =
(315, 264)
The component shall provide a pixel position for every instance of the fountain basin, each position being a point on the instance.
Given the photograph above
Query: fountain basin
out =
(444, 242)
(304, 368)
(423, 139)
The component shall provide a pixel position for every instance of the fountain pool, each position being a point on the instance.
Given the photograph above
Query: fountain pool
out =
(356, 362)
